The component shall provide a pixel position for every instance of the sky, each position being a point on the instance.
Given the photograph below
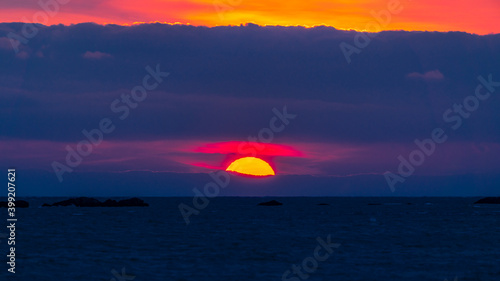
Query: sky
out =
(480, 16)
(326, 106)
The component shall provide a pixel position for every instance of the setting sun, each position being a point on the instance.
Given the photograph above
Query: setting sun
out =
(251, 166)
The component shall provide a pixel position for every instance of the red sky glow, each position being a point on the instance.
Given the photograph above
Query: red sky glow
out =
(480, 17)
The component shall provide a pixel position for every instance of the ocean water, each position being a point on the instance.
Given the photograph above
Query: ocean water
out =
(233, 239)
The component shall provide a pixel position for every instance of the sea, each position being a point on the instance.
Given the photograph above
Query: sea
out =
(234, 239)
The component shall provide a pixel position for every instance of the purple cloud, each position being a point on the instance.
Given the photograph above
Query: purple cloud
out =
(429, 75)
(96, 55)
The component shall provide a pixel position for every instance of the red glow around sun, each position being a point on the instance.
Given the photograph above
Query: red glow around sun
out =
(249, 148)
(251, 166)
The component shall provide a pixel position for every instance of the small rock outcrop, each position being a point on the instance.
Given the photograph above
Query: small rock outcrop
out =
(92, 202)
(110, 203)
(79, 202)
(488, 200)
(132, 202)
(271, 203)
(17, 203)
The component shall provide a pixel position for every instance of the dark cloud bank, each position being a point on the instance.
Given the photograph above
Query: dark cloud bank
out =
(224, 82)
